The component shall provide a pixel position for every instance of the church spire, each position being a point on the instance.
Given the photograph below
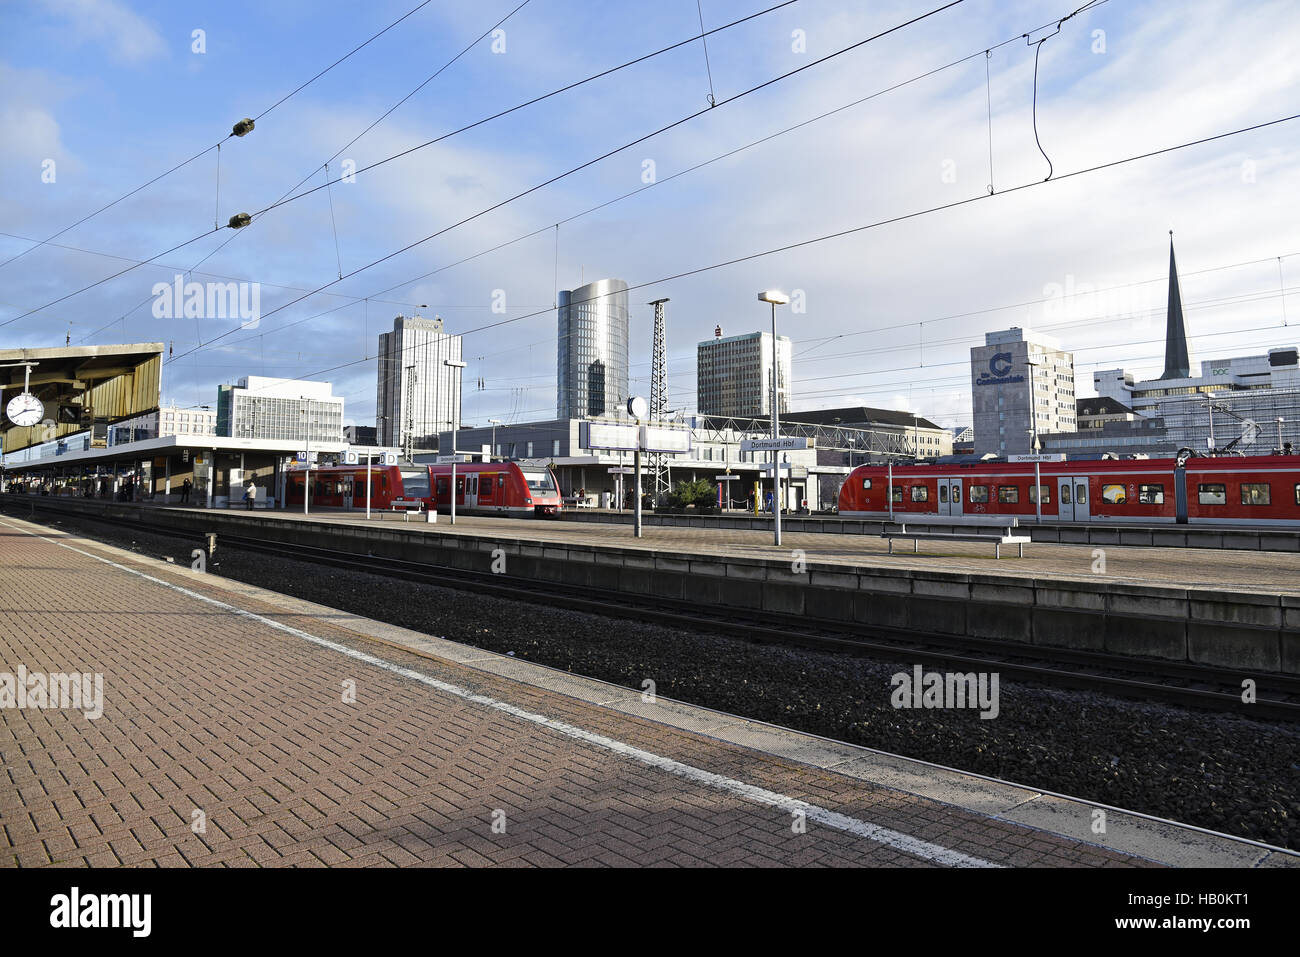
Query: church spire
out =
(1177, 362)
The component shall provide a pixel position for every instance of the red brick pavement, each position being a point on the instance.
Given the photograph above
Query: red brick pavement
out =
(209, 711)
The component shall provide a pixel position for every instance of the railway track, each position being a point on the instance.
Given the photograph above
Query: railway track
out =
(1181, 683)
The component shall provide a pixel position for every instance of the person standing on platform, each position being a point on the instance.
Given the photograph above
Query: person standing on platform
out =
(250, 495)
(186, 487)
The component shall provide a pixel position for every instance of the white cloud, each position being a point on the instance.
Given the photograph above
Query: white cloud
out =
(128, 37)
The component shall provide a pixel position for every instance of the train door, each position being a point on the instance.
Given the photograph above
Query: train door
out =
(950, 497)
(487, 489)
(471, 490)
(1073, 503)
(346, 490)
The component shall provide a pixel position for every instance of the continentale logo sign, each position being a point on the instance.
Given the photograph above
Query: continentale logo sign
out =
(999, 371)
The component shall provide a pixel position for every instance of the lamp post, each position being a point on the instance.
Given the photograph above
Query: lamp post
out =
(1033, 444)
(306, 482)
(775, 298)
(1280, 420)
(492, 453)
(455, 430)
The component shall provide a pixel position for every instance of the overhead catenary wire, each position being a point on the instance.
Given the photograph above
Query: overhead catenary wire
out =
(873, 225)
(427, 143)
(664, 180)
(603, 156)
(204, 152)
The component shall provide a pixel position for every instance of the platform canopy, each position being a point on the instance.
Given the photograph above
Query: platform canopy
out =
(81, 388)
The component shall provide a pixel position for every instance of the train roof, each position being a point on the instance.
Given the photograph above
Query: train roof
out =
(1088, 467)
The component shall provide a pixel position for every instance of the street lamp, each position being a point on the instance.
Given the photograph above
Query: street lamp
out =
(775, 298)
(306, 484)
(1280, 420)
(492, 453)
(1034, 445)
(455, 430)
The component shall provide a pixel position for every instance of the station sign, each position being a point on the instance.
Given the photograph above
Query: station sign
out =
(788, 443)
(301, 457)
(621, 470)
(1038, 457)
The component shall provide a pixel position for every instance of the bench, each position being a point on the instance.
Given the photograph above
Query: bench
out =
(999, 533)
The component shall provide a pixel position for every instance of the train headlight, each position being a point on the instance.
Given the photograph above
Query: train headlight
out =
(528, 501)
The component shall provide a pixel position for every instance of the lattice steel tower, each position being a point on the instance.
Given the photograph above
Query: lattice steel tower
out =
(658, 464)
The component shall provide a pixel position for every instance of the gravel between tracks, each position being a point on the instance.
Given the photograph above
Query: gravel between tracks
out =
(1217, 771)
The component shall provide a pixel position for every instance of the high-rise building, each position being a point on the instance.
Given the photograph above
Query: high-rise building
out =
(734, 374)
(284, 410)
(592, 361)
(417, 393)
(1021, 382)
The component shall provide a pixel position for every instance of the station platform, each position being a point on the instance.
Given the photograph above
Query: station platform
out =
(1271, 573)
(242, 728)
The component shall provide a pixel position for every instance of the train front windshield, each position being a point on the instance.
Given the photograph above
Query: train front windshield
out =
(540, 481)
(415, 483)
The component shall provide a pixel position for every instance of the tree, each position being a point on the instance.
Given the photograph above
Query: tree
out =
(698, 493)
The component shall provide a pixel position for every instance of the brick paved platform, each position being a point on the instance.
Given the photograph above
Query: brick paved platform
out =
(227, 706)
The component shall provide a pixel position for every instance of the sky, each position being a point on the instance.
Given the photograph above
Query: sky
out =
(98, 97)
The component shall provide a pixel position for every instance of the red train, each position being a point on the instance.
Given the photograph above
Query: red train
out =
(492, 488)
(1226, 490)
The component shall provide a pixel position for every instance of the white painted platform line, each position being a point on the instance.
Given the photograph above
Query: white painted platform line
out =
(840, 822)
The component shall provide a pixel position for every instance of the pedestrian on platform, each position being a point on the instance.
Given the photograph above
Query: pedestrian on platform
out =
(250, 495)
(186, 488)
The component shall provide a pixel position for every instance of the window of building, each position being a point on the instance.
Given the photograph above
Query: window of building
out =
(1255, 493)
(1151, 495)
(1114, 494)
(555, 446)
(1008, 494)
(979, 493)
(920, 493)
(1044, 490)
(530, 450)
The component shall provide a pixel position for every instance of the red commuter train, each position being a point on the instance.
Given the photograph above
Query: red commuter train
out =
(488, 488)
(498, 488)
(1223, 490)
(344, 486)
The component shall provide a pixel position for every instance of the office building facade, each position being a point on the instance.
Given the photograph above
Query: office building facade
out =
(287, 410)
(1021, 382)
(734, 374)
(592, 363)
(417, 393)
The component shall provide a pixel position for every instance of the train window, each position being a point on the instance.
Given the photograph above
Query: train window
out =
(1065, 494)
(1255, 493)
(442, 485)
(501, 480)
(979, 493)
(1212, 494)
(920, 493)
(1297, 494)
(1151, 495)
(866, 483)
(897, 493)
(1114, 494)
(1044, 490)
(943, 494)
(1008, 494)
(1081, 493)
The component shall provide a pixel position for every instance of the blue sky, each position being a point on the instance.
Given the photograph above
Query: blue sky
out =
(113, 93)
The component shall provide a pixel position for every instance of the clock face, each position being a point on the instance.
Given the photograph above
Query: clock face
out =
(25, 409)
